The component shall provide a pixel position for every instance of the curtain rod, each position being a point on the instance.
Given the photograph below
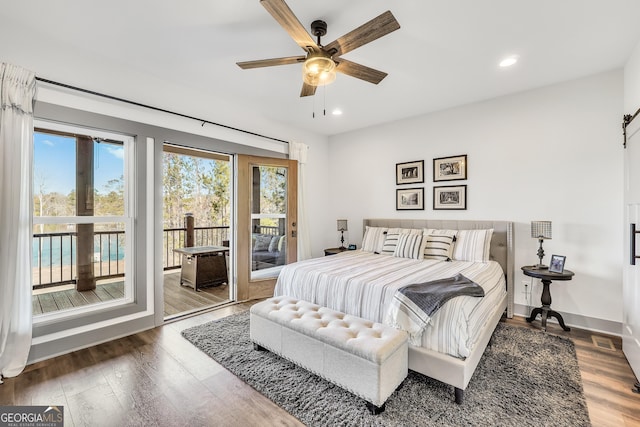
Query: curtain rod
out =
(115, 98)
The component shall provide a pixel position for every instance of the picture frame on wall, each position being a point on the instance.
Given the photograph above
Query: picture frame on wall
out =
(450, 168)
(451, 197)
(557, 264)
(410, 172)
(410, 199)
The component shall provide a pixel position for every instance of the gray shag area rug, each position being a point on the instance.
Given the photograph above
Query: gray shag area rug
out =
(525, 378)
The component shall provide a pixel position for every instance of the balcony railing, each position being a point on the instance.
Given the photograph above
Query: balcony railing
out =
(54, 254)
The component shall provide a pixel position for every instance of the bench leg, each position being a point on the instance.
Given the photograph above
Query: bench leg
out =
(375, 410)
(258, 347)
(459, 394)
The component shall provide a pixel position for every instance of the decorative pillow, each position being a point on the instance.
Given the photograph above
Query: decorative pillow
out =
(439, 232)
(373, 239)
(390, 242)
(409, 246)
(262, 242)
(438, 247)
(273, 245)
(472, 245)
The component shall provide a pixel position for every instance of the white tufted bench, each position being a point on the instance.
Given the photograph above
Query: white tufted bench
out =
(366, 358)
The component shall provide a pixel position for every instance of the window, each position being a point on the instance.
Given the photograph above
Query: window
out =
(83, 220)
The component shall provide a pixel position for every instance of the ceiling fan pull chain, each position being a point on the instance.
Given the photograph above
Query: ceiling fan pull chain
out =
(324, 100)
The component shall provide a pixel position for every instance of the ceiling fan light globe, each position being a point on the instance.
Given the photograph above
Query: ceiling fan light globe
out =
(319, 79)
(318, 70)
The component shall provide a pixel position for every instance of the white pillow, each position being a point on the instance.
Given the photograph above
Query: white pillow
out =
(373, 239)
(409, 246)
(439, 247)
(472, 245)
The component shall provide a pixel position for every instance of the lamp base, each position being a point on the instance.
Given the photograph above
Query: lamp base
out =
(342, 248)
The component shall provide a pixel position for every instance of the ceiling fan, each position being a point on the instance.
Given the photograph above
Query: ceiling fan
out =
(321, 63)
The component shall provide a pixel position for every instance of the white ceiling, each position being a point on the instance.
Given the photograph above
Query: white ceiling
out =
(445, 54)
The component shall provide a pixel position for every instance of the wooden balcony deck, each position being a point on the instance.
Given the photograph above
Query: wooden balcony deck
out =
(177, 299)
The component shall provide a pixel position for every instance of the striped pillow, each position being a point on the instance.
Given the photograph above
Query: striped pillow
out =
(373, 239)
(472, 245)
(438, 247)
(409, 246)
(439, 232)
(390, 243)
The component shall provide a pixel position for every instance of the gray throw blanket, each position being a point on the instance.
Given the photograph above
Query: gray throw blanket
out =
(413, 305)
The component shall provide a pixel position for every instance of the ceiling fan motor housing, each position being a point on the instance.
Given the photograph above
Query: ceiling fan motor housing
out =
(318, 29)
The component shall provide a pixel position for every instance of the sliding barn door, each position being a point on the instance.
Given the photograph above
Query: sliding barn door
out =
(267, 222)
(631, 275)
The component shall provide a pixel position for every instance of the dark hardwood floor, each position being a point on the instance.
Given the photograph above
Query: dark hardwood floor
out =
(158, 378)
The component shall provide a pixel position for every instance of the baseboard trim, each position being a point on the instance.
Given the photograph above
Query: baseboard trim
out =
(576, 320)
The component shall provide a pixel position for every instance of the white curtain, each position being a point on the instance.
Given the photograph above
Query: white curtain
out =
(299, 151)
(17, 92)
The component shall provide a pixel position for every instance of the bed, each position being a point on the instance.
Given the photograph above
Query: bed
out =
(363, 283)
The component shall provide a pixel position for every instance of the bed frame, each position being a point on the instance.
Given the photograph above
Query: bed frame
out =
(448, 369)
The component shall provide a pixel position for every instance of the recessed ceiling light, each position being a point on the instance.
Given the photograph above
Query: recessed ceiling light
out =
(509, 61)
(337, 112)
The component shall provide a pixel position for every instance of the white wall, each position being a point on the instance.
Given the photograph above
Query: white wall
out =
(548, 154)
(632, 82)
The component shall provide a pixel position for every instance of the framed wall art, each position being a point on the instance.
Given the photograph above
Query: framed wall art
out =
(450, 197)
(410, 172)
(450, 168)
(410, 199)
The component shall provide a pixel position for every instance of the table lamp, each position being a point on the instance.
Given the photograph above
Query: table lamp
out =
(342, 227)
(541, 230)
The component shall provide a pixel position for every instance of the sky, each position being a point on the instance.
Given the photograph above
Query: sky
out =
(54, 163)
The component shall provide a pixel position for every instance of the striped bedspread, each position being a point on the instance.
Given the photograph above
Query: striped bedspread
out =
(363, 284)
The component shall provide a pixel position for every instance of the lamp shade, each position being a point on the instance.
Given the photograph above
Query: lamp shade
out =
(541, 229)
(342, 225)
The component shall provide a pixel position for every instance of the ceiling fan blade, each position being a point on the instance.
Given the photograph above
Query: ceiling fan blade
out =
(271, 62)
(372, 30)
(285, 17)
(359, 71)
(307, 90)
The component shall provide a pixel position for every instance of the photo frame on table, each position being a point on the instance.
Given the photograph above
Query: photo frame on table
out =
(451, 197)
(450, 168)
(557, 264)
(410, 172)
(410, 199)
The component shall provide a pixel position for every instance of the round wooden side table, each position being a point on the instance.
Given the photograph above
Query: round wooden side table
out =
(547, 277)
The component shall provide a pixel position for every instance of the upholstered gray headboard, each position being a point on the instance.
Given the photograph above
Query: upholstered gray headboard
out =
(501, 249)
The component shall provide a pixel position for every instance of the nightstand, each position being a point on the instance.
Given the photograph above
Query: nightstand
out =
(545, 311)
(333, 251)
